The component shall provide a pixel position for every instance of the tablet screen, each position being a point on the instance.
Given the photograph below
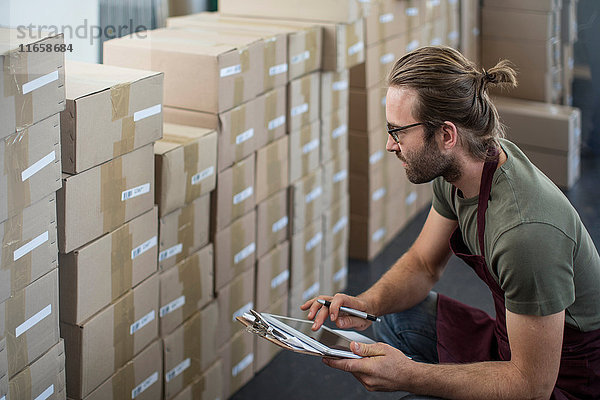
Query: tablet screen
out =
(323, 335)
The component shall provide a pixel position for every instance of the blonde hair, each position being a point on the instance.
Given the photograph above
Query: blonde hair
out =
(451, 88)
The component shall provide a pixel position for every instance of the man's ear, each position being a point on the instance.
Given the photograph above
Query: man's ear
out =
(449, 135)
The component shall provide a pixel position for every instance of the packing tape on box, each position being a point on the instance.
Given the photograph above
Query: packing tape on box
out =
(354, 45)
(240, 80)
(191, 163)
(275, 215)
(19, 270)
(279, 277)
(306, 138)
(190, 277)
(123, 339)
(121, 262)
(192, 349)
(271, 70)
(16, 160)
(305, 95)
(186, 223)
(242, 358)
(275, 112)
(119, 100)
(17, 347)
(199, 388)
(274, 176)
(127, 142)
(112, 182)
(240, 133)
(121, 382)
(313, 46)
(16, 74)
(239, 189)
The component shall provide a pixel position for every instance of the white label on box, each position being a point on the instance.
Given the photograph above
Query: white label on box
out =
(313, 242)
(200, 176)
(453, 2)
(144, 247)
(385, 18)
(139, 324)
(339, 275)
(311, 291)
(246, 361)
(32, 245)
(39, 82)
(412, 11)
(246, 251)
(434, 3)
(172, 306)
(339, 85)
(378, 235)
(179, 368)
(234, 69)
(30, 323)
(242, 137)
(301, 109)
(375, 157)
(144, 385)
(170, 252)
(46, 393)
(452, 36)
(243, 195)
(411, 198)
(147, 112)
(281, 278)
(136, 191)
(340, 176)
(436, 41)
(383, 101)
(355, 48)
(387, 58)
(244, 309)
(315, 193)
(38, 165)
(305, 55)
(413, 45)
(339, 131)
(278, 69)
(310, 146)
(476, 31)
(277, 122)
(342, 222)
(378, 194)
(279, 225)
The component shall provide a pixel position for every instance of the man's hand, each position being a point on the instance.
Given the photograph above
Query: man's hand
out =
(342, 320)
(383, 368)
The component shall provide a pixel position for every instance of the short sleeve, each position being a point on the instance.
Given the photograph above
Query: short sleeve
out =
(534, 262)
(442, 194)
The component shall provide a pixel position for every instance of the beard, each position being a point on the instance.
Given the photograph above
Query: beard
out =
(428, 163)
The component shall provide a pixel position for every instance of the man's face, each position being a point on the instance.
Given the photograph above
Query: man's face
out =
(421, 157)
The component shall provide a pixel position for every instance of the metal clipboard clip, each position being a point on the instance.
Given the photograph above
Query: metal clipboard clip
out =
(263, 328)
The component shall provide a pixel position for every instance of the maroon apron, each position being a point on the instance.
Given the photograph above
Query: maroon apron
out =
(467, 335)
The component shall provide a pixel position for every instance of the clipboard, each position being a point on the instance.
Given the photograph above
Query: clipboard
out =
(286, 332)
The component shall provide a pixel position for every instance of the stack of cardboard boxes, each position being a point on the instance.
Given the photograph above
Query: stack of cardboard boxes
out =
(32, 96)
(108, 232)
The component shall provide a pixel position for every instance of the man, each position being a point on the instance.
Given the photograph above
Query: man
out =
(502, 216)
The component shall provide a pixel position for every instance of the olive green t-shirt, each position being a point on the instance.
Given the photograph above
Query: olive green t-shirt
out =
(536, 246)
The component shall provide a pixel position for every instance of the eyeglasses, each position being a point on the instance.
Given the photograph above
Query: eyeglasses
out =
(394, 131)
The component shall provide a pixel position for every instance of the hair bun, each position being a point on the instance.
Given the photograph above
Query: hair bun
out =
(502, 74)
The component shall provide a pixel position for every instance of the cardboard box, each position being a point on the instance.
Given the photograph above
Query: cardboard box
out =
(211, 73)
(540, 55)
(183, 232)
(304, 151)
(272, 168)
(562, 168)
(33, 87)
(208, 386)
(235, 299)
(272, 277)
(238, 362)
(98, 273)
(518, 25)
(235, 249)
(527, 5)
(536, 85)
(334, 134)
(190, 350)
(185, 166)
(275, 116)
(109, 111)
(379, 61)
(264, 350)
(272, 225)
(29, 248)
(140, 378)
(415, 14)
(100, 199)
(306, 200)
(470, 28)
(453, 24)
(367, 108)
(104, 343)
(29, 322)
(303, 42)
(43, 379)
(334, 272)
(368, 193)
(301, 292)
(336, 224)
(334, 91)
(336, 11)
(185, 289)
(367, 235)
(29, 166)
(383, 19)
(306, 252)
(367, 151)
(235, 193)
(335, 179)
(303, 101)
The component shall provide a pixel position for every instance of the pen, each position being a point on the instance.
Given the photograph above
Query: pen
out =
(352, 311)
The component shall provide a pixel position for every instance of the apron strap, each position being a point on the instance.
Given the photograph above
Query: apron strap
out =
(485, 189)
